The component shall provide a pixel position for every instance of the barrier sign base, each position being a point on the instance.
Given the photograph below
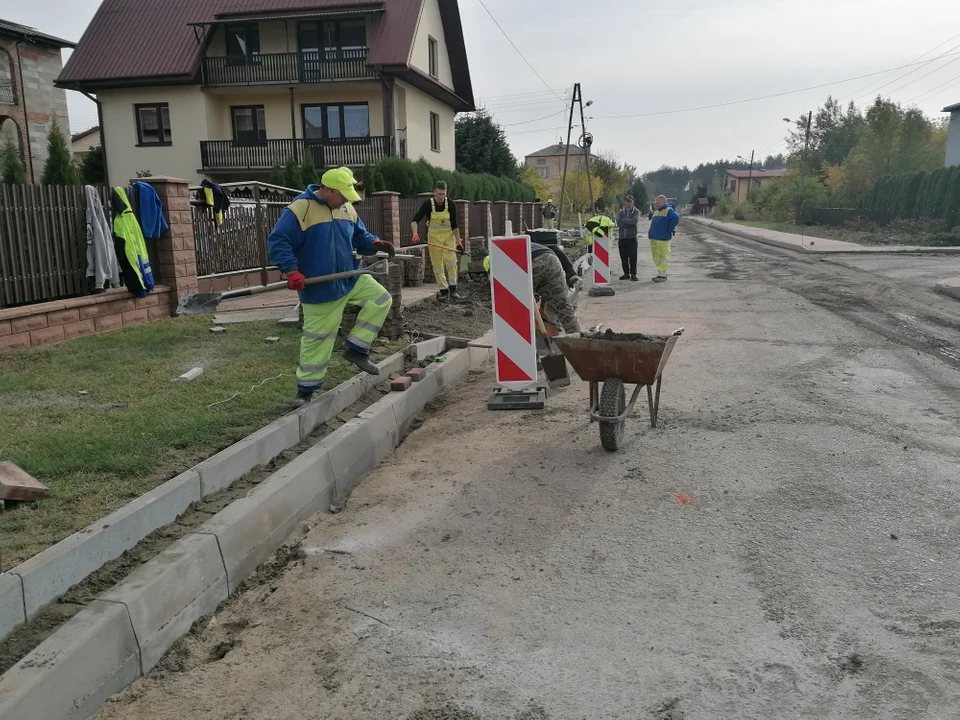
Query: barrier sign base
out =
(534, 398)
(601, 291)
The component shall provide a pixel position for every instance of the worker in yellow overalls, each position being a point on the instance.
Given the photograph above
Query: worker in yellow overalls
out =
(443, 239)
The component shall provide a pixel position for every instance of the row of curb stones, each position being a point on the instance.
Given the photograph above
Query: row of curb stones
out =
(122, 635)
(27, 588)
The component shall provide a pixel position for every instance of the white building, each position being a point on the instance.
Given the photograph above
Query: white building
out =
(953, 139)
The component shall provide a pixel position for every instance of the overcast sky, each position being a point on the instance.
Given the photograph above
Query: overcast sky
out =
(634, 58)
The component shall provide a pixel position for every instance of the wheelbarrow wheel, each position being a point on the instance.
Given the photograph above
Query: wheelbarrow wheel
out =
(613, 402)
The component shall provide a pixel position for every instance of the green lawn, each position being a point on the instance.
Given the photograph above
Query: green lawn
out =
(99, 421)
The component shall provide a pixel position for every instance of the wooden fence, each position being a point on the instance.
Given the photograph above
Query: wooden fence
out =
(43, 243)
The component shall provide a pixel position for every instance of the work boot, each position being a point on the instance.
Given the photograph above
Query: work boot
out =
(454, 295)
(361, 361)
(660, 278)
(624, 277)
(303, 397)
(443, 295)
(634, 278)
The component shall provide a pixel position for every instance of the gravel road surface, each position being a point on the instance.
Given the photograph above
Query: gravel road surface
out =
(783, 545)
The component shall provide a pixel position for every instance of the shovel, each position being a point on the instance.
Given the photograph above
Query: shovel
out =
(554, 363)
(198, 303)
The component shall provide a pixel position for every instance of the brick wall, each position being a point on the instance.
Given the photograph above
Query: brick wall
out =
(51, 322)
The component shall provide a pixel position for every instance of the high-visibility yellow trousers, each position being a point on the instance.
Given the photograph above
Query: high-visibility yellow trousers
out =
(321, 321)
(443, 259)
(660, 249)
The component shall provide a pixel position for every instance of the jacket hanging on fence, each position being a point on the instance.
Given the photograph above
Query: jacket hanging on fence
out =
(131, 249)
(212, 195)
(102, 263)
(149, 211)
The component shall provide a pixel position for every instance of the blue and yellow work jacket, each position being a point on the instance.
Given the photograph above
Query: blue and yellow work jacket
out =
(663, 223)
(317, 240)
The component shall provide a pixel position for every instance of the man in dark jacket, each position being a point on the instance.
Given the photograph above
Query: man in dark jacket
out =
(627, 220)
(663, 226)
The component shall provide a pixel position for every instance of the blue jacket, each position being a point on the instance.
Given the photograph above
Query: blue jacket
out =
(663, 223)
(152, 221)
(316, 240)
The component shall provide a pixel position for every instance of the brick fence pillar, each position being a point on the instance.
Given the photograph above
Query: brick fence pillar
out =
(499, 209)
(176, 261)
(516, 217)
(483, 212)
(463, 220)
(538, 214)
(388, 205)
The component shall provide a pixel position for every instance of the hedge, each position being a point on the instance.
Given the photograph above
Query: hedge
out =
(411, 178)
(926, 195)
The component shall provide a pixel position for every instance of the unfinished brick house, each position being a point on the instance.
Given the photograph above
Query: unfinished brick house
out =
(30, 62)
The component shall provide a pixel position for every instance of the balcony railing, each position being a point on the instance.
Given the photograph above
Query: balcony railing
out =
(280, 68)
(8, 96)
(354, 152)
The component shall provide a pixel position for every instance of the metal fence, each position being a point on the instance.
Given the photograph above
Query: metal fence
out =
(239, 244)
(43, 243)
(408, 208)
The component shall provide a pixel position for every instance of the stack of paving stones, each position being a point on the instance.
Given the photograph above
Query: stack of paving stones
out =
(413, 269)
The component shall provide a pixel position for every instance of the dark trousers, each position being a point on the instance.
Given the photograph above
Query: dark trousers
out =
(628, 256)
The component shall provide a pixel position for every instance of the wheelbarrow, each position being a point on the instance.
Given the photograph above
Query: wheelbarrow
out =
(614, 359)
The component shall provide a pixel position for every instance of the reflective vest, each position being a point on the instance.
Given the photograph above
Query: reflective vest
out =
(439, 231)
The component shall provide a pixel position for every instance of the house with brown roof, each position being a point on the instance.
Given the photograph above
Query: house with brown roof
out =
(83, 142)
(30, 104)
(548, 163)
(226, 89)
(741, 182)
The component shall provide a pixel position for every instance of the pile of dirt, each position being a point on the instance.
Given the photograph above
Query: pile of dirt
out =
(469, 318)
(626, 337)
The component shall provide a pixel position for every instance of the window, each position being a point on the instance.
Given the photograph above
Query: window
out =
(249, 125)
(243, 43)
(543, 172)
(337, 39)
(332, 122)
(432, 48)
(434, 132)
(153, 124)
(541, 161)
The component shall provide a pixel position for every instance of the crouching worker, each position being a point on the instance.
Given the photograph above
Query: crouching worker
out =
(552, 280)
(316, 235)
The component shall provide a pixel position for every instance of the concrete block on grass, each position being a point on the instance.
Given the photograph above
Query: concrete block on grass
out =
(49, 574)
(189, 375)
(172, 591)
(72, 673)
(251, 528)
(11, 604)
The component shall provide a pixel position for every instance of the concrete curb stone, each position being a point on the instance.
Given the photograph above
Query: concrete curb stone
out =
(93, 656)
(948, 288)
(12, 614)
(49, 574)
(251, 528)
(168, 594)
(427, 348)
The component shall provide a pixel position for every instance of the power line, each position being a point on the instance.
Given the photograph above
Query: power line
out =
(951, 83)
(872, 83)
(754, 99)
(890, 92)
(926, 62)
(522, 56)
(526, 122)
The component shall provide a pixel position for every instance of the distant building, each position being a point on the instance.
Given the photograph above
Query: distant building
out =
(548, 164)
(738, 181)
(953, 138)
(84, 142)
(30, 62)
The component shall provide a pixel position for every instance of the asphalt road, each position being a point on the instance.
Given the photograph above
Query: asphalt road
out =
(783, 545)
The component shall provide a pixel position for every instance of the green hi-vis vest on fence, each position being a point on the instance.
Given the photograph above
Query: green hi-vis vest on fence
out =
(130, 246)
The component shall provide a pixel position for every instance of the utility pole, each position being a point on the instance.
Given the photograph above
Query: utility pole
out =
(750, 176)
(585, 142)
(803, 161)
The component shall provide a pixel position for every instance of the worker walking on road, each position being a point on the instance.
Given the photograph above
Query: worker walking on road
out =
(627, 220)
(443, 239)
(663, 226)
(317, 235)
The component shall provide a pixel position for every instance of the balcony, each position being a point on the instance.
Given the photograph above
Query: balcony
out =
(227, 155)
(8, 96)
(287, 68)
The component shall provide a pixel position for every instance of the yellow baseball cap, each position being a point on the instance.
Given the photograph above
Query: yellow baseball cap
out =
(342, 180)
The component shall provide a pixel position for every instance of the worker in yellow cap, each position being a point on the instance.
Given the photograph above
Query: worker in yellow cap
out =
(316, 235)
(549, 213)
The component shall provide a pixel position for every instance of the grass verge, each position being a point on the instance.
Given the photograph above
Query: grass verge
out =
(891, 235)
(99, 421)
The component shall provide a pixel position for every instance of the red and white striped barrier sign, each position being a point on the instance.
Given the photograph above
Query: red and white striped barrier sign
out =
(601, 260)
(511, 282)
